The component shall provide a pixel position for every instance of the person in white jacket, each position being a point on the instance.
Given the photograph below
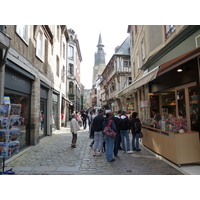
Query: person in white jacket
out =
(74, 128)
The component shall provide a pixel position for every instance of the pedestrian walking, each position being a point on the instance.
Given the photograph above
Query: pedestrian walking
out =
(91, 129)
(74, 128)
(135, 126)
(124, 126)
(98, 132)
(109, 140)
(84, 118)
(116, 120)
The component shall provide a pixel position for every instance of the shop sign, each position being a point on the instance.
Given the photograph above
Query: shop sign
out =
(6, 100)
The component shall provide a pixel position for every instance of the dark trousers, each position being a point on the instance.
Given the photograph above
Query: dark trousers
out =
(74, 138)
(84, 123)
(116, 144)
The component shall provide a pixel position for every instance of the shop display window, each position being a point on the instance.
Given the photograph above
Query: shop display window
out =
(178, 108)
(193, 102)
(24, 101)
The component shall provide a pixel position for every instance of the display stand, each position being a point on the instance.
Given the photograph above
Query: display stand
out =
(10, 122)
(10, 172)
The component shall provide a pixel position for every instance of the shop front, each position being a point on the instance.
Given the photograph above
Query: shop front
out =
(55, 112)
(17, 86)
(174, 94)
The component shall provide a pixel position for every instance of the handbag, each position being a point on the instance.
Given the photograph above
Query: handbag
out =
(108, 131)
(140, 134)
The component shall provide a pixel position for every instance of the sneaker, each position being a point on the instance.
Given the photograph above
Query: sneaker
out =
(138, 149)
(129, 152)
(98, 154)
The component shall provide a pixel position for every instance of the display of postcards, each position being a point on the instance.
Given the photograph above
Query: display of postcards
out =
(3, 148)
(14, 134)
(3, 122)
(13, 147)
(4, 110)
(15, 109)
(15, 122)
(2, 135)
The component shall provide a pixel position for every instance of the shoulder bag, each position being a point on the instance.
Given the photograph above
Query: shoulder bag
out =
(108, 131)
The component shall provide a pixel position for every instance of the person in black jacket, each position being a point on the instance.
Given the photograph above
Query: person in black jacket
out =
(124, 126)
(135, 129)
(98, 132)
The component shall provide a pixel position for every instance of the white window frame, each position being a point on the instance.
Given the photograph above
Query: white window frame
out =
(22, 31)
(71, 52)
(40, 45)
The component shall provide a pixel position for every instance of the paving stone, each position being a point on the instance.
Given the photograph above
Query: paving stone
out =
(54, 156)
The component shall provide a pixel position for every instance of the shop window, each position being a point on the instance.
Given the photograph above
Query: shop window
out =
(180, 95)
(193, 102)
(24, 101)
(168, 103)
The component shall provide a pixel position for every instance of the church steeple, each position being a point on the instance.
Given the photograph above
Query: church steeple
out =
(100, 41)
(99, 61)
(100, 54)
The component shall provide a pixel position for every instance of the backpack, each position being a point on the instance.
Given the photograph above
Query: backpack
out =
(108, 131)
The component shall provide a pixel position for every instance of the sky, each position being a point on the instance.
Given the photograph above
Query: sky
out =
(88, 36)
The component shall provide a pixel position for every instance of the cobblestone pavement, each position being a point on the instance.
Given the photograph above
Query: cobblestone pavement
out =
(54, 156)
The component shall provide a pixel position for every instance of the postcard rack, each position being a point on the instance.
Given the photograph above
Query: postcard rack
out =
(10, 122)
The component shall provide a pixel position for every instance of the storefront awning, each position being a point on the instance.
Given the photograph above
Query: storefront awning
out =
(139, 82)
(166, 67)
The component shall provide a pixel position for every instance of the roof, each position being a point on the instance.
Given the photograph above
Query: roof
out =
(124, 49)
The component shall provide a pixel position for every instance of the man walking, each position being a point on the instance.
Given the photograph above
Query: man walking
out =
(124, 126)
(98, 132)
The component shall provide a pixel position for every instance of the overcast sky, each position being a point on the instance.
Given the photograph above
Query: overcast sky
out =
(88, 36)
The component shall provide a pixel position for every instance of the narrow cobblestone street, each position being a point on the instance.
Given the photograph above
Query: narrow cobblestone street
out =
(54, 156)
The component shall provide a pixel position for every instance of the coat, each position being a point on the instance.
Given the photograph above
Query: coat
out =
(74, 127)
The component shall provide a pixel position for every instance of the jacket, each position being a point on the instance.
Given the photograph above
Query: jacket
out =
(74, 127)
(97, 123)
(135, 125)
(124, 123)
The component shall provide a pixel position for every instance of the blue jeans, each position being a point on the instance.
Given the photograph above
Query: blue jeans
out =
(135, 141)
(116, 144)
(125, 135)
(109, 147)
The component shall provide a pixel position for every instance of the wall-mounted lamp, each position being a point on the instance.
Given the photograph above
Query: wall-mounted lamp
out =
(179, 70)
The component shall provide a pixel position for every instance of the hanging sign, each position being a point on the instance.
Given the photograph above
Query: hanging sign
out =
(6, 100)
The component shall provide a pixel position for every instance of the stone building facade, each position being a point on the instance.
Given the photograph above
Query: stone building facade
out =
(34, 76)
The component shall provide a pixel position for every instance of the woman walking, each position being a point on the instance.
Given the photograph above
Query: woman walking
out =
(109, 140)
(74, 128)
(135, 129)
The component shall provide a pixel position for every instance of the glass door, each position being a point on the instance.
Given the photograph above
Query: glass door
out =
(43, 118)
